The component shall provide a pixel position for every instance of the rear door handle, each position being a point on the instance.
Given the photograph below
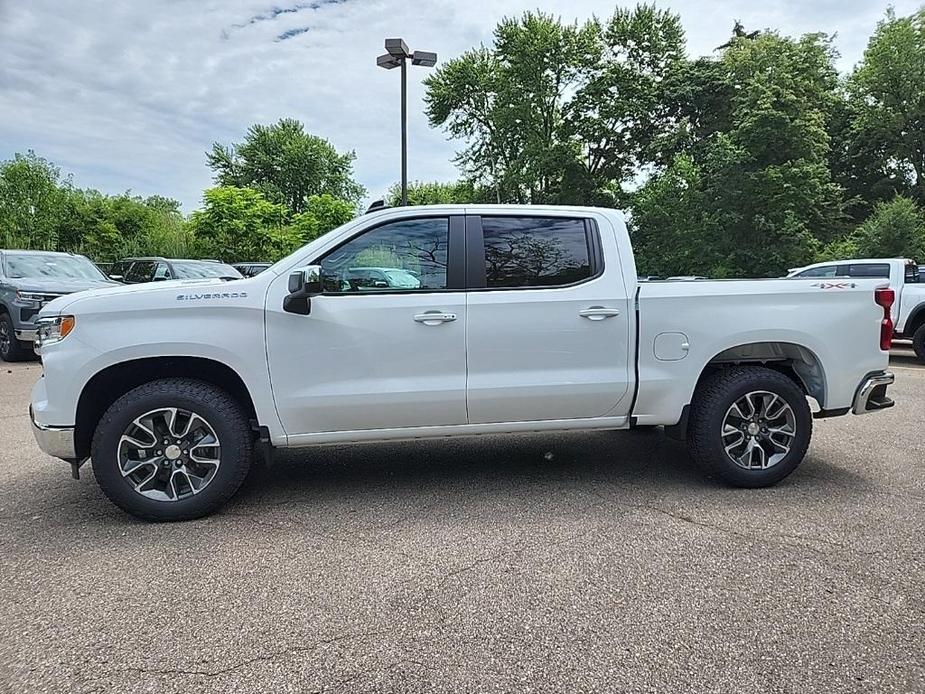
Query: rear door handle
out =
(599, 313)
(434, 317)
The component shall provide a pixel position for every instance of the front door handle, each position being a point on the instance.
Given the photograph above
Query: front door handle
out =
(599, 313)
(434, 317)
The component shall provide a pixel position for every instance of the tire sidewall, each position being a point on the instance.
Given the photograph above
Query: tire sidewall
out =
(14, 350)
(235, 453)
(918, 342)
(784, 388)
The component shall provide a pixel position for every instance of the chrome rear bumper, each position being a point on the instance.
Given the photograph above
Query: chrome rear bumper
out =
(871, 395)
(56, 441)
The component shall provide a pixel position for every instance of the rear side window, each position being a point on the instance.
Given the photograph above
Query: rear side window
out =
(141, 271)
(824, 271)
(535, 251)
(869, 270)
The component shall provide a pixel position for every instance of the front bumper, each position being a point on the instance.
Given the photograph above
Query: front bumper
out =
(26, 335)
(55, 441)
(871, 394)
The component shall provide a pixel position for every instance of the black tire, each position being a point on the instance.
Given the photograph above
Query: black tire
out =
(918, 342)
(217, 407)
(713, 399)
(11, 349)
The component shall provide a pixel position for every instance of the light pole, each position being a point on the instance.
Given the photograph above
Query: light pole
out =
(397, 54)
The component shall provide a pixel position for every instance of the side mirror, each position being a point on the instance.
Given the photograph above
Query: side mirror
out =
(303, 285)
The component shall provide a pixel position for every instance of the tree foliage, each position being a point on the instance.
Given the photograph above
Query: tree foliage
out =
(240, 223)
(555, 112)
(286, 164)
(435, 193)
(322, 214)
(888, 99)
(753, 181)
(896, 229)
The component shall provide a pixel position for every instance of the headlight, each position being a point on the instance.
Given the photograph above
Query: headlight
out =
(53, 329)
(29, 298)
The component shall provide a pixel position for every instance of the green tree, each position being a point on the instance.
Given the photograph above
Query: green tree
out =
(286, 164)
(559, 113)
(764, 196)
(888, 97)
(322, 214)
(31, 199)
(240, 224)
(434, 193)
(508, 102)
(896, 229)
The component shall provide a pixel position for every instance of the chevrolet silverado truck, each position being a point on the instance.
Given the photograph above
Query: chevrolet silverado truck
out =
(28, 281)
(520, 319)
(905, 278)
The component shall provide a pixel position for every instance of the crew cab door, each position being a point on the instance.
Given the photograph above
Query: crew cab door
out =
(549, 319)
(384, 346)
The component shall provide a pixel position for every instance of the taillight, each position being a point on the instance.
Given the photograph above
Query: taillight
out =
(884, 297)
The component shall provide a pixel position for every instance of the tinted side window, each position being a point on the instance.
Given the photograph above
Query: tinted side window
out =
(410, 255)
(141, 271)
(535, 251)
(824, 271)
(869, 270)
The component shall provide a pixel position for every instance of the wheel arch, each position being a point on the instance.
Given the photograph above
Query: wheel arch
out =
(111, 383)
(797, 362)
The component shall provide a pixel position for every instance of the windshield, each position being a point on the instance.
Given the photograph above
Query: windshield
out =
(72, 267)
(195, 270)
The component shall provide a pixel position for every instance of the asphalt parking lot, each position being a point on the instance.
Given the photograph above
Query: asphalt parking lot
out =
(591, 562)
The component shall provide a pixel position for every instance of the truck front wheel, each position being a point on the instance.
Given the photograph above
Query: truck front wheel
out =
(749, 425)
(11, 349)
(172, 449)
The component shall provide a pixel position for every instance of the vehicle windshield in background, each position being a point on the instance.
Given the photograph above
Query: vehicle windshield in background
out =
(195, 270)
(74, 267)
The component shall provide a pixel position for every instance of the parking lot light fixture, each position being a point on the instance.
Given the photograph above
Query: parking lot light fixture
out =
(397, 55)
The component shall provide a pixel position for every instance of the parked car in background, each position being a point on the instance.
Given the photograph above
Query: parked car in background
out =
(363, 278)
(905, 277)
(137, 270)
(28, 281)
(521, 319)
(250, 269)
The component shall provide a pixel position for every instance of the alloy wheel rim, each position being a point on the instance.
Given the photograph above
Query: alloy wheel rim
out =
(169, 454)
(758, 430)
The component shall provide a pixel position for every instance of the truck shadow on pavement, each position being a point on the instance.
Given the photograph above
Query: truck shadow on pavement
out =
(641, 463)
(552, 470)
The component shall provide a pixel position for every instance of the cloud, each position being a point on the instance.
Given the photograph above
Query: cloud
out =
(131, 95)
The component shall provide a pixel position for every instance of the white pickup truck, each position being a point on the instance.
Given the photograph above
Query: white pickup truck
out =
(445, 321)
(905, 278)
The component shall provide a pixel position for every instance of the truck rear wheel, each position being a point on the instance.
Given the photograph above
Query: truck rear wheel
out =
(749, 425)
(11, 349)
(172, 449)
(918, 342)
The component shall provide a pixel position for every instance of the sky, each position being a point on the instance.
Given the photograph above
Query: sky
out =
(130, 95)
